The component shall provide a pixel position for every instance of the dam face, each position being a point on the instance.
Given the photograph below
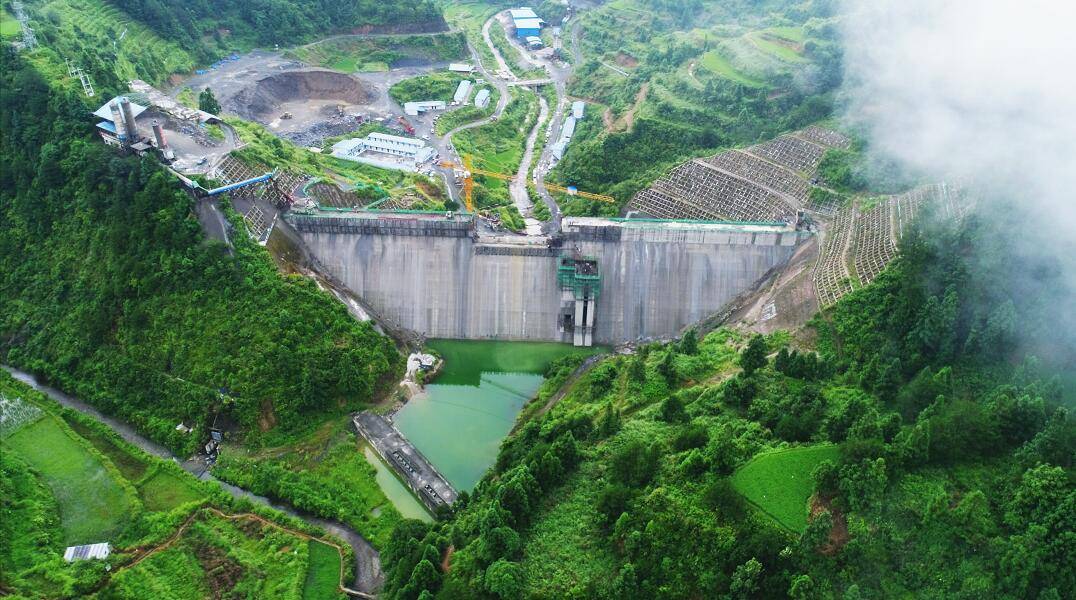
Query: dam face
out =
(434, 275)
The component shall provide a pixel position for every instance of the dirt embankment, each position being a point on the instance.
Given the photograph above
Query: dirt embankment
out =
(434, 26)
(263, 100)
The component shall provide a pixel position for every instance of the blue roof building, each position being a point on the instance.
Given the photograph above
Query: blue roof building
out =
(528, 27)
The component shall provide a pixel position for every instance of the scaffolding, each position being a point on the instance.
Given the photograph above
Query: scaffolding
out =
(579, 275)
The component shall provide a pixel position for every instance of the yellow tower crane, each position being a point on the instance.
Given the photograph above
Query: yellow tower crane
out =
(469, 169)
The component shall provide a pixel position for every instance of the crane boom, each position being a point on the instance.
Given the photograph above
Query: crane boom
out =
(468, 183)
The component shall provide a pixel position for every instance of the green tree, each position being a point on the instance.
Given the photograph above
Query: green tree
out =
(689, 344)
(745, 579)
(863, 484)
(208, 102)
(672, 410)
(505, 579)
(753, 356)
(667, 367)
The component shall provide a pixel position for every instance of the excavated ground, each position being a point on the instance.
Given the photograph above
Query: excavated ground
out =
(307, 95)
(262, 86)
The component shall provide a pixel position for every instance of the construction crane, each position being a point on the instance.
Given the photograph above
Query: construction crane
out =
(469, 169)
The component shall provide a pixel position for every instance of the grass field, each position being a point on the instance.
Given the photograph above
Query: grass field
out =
(130, 466)
(92, 503)
(779, 483)
(717, 64)
(469, 17)
(9, 27)
(164, 491)
(434, 86)
(322, 573)
(357, 54)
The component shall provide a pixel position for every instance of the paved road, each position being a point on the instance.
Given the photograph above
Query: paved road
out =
(518, 188)
(368, 574)
(505, 69)
(368, 36)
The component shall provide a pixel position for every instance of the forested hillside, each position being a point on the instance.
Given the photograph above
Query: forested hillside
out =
(278, 22)
(681, 79)
(152, 39)
(111, 290)
(922, 451)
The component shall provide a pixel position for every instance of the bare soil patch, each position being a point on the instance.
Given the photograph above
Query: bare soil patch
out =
(626, 60)
(838, 535)
(221, 572)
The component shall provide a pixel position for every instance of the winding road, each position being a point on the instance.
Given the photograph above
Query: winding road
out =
(368, 574)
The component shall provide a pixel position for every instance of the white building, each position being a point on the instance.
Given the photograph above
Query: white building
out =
(523, 12)
(460, 68)
(577, 109)
(414, 108)
(385, 151)
(481, 99)
(566, 132)
(87, 552)
(462, 92)
(534, 42)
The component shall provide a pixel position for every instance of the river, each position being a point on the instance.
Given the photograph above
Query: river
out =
(368, 574)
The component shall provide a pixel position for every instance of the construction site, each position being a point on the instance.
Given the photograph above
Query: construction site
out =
(737, 237)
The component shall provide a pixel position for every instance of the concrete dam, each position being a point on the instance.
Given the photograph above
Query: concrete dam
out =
(600, 281)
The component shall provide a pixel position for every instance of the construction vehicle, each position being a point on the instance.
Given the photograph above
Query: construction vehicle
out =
(286, 115)
(406, 126)
(466, 171)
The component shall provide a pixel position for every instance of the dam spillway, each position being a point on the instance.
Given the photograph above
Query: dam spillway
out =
(436, 275)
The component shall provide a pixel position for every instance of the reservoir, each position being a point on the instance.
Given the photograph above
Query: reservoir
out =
(461, 419)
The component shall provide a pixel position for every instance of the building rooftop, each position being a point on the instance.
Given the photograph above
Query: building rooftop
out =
(394, 139)
(87, 552)
(106, 113)
(523, 12)
(528, 23)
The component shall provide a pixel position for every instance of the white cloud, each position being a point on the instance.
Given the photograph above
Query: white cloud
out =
(976, 90)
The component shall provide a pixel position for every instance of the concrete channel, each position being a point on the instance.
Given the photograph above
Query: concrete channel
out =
(417, 471)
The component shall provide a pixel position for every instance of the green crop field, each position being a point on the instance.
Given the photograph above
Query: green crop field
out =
(779, 483)
(322, 573)
(130, 466)
(93, 504)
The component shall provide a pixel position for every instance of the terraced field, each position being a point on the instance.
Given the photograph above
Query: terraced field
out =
(717, 64)
(140, 53)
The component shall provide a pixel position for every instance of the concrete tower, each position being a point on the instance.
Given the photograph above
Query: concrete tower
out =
(128, 118)
(117, 121)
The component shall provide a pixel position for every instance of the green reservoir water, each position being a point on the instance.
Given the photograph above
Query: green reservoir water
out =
(472, 405)
(394, 489)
